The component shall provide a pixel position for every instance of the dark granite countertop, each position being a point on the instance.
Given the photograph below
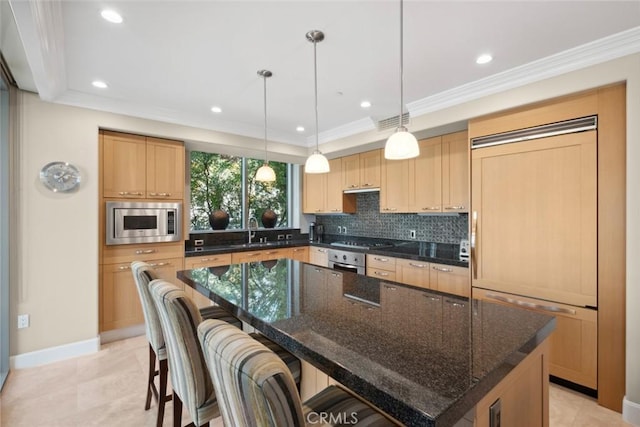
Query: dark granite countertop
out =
(424, 357)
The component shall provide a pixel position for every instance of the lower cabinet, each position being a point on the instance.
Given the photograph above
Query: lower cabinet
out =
(450, 279)
(119, 301)
(300, 253)
(319, 256)
(413, 272)
(382, 267)
(573, 344)
(259, 255)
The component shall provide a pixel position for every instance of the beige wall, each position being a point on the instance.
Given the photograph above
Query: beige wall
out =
(57, 281)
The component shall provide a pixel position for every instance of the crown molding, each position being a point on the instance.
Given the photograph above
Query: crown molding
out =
(599, 51)
(353, 128)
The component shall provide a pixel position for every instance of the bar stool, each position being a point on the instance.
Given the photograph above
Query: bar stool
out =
(143, 274)
(255, 388)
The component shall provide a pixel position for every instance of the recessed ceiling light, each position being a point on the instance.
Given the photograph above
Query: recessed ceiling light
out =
(216, 109)
(484, 59)
(111, 16)
(300, 128)
(99, 84)
(365, 104)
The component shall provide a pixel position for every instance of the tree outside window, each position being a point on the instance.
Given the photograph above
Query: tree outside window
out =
(217, 181)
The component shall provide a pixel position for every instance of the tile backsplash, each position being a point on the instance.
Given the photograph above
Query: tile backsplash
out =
(369, 222)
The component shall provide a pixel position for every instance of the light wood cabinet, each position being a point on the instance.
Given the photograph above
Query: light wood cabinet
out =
(413, 272)
(206, 261)
(450, 279)
(322, 193)
(396, 185)
(427, 178)
(300, 253)
(455, 172)
(319, 256)
(259, 255)
(361, 171)
(382, 267)
(141, 167)
(119, 301)
(535, 218)
(143, 252)
(573, 344)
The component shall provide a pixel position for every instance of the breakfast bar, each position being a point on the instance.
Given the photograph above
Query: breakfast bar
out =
(424, 357)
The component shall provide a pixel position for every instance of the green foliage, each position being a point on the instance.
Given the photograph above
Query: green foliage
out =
(216, 183)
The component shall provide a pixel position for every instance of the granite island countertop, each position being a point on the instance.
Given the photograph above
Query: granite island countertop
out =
(424, 357)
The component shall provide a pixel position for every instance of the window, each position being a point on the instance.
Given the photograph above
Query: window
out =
(217, 183)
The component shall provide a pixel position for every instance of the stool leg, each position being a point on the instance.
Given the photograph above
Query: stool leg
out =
(177, 411)
(152, 370)
(162, 394)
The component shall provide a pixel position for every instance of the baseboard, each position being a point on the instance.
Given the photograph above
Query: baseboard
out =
(631, 412)
(54, 354)
(123, 333)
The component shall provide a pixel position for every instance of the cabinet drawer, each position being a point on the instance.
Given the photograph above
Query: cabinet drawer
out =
(574, 343)
(381, 274)
(450, 279)
(207, 261)
(129, 253)
(413, 272)
(381, 262)
(300, 253)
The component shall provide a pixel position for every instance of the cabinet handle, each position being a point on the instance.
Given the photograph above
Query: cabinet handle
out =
(353, 185)
(380, 273)
(208, 259)
(391, 288)
(124, 267)
(551, 308)
(160, 194)
(323, 251)
(297, 250)
(431, 208)
(271, 252)
(146, 251)
(318, 210)
(336, 274)
(389, 209)
(431, 298)
(381, 259)
(317, 270)
(367, 184)
(474, 254)
(417, 265)
(159, 264)
(442, 269)
(130, 193)
(454, 207)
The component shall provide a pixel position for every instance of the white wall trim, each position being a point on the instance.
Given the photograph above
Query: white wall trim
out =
(631, 412)
(54, 354)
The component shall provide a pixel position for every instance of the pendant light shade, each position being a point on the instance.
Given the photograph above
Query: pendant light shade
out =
(317, 162)
(402, 144)
(265, 173)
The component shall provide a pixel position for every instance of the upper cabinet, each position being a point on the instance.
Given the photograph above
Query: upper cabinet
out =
(322, 193)
(361, 171)
(427, 178)
(142, 167)
(396, 185)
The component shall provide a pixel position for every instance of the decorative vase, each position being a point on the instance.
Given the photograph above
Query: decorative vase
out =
(219, 220)
(269, 219)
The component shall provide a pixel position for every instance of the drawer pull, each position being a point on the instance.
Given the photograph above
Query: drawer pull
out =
(381, 273)
(160, 194)
(324, 251)
(353, 185)
(431, 298)
(159, 264)
(454, 207)
(209, 259)
(551, 308)
(381, 259)
(130, 193)
(417, 265)
(442, 269)
(335, 210)
(367, 184)
(297, 250)
(431, 208)
(271, 252)
(391, 288)
(390, 209)
(124, 267)
(336, 274)
(146, 251)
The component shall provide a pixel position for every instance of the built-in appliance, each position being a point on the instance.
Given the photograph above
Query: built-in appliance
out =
(316, 232)
(464, 250)
(347, 261)
(143, 222)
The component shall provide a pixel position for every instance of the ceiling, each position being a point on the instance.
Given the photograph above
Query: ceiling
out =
(173, 60)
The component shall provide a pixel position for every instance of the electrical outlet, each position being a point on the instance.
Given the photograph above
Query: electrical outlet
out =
(23, 321)
(412, 234)
(339, 229)
(280, 236)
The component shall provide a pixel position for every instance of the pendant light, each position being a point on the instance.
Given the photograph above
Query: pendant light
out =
(402, 144)
(317, 162)
(265, 173)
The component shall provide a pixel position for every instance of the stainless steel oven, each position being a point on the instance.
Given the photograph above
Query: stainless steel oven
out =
(347, 261)
(143, 222)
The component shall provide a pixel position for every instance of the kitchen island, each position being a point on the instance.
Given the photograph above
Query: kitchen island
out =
(425, 358)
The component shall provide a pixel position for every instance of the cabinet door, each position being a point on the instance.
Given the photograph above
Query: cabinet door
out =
(427, 196)
(207, 261)
(412, 272)
(455, 172)
(334, 187)
(396, 184)
(370, 169)
(249, 256)
(300, 254)
(165, 169)
(314, 192)
(351, 172)
(123, 165)
(535, 224)
(318, 256)
(450, 279)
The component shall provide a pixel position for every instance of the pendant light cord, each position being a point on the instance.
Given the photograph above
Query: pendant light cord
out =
(315, 80)
(401, 64)
(266, 159)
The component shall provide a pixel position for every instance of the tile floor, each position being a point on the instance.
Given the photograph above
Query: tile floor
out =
(108, 389)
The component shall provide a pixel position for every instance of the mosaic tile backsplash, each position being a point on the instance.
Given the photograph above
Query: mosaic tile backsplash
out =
(369, 222)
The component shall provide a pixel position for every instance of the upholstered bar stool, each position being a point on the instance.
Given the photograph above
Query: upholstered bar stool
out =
(143, 274)
(255, 388)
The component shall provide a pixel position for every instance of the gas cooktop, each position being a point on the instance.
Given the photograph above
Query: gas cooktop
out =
(360, 244)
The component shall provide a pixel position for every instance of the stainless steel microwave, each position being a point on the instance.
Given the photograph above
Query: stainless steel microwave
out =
(143, 222)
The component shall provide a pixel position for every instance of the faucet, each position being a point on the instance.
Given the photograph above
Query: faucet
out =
(252, 234)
